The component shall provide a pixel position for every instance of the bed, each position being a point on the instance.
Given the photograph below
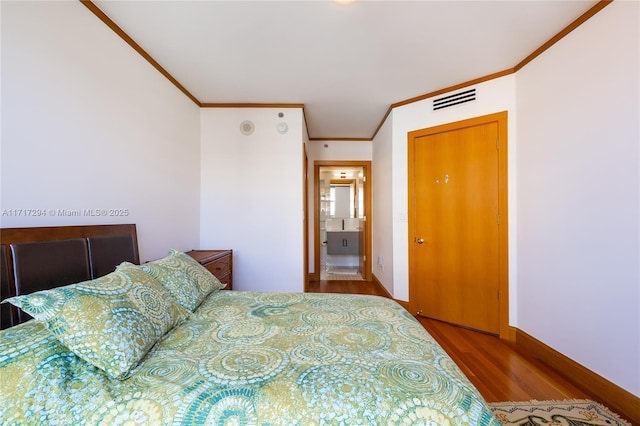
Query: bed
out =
(132, 345)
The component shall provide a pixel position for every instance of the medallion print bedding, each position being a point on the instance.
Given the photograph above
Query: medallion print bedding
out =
(250, 358)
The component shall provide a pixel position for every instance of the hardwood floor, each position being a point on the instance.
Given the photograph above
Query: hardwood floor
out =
(496, 367)
(350, 287)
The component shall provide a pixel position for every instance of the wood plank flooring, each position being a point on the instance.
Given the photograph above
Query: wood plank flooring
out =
(499, 370)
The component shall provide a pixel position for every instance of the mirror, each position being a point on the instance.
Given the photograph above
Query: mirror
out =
(341, 198)
(342, 195)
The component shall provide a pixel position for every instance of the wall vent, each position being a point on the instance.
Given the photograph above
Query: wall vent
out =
(455, 99)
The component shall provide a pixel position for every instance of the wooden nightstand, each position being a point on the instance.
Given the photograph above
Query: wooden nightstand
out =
(218, 262)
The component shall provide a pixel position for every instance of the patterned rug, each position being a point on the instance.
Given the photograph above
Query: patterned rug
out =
(327, 276)
(569, 412)
(342, 273)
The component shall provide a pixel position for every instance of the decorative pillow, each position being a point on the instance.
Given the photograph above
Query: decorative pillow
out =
(110, 322)
(187, 280)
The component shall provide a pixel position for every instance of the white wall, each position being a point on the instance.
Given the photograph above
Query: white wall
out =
(382, 223)
(88, 124)
(579, 196)
(330, 151)
(491, 97)
(252, 195)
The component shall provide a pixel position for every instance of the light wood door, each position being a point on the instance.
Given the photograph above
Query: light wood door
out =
(455, 263)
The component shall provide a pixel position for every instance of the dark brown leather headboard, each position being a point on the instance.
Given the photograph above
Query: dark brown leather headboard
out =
(35, 259)
(108, 251)
(41, 265)
(8, 313)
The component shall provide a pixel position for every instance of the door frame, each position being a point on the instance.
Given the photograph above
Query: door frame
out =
(366, 170)
(503, 230)
(305, 212)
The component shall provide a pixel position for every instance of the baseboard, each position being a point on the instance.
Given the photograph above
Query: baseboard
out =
(610, 394)
(384, 290)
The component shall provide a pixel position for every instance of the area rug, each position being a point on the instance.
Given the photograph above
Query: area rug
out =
(328, 276)
(342, 270)
(568, 412)
(341, 273)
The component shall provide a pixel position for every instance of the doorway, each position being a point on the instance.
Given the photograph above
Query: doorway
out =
(342, 226)
(458, 232)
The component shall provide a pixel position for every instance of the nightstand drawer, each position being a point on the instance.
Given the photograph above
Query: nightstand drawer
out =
(218, 262)
(226, 279)
(219, 267)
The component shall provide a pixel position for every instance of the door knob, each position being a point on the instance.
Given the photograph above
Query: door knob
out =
(420, 241)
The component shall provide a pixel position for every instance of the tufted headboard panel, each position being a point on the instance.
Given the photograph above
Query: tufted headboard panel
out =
(7, 312)
(35, 259)
(108, 251)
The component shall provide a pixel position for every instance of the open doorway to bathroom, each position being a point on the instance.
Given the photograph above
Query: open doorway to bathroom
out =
(342, 220)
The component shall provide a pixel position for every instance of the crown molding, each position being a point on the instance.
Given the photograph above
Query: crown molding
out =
(131, 42)
(249, 105)
(344, 139)
(575, 24)
(572, 26)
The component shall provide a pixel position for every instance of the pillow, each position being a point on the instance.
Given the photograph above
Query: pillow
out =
(110, 322)
(187, 280)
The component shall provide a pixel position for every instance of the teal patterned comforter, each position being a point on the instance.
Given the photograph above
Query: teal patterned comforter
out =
(249, 358)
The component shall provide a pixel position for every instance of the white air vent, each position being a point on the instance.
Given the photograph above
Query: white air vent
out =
(455, 99)
(247, 127)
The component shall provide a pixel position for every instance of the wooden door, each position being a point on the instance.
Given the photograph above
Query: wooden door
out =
(455, 246)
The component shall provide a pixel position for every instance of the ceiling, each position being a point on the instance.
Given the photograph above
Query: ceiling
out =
(347, 63)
